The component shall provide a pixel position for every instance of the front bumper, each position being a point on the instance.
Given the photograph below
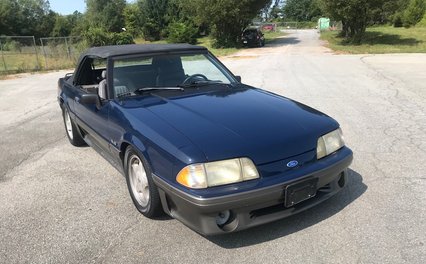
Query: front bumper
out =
(250, 208)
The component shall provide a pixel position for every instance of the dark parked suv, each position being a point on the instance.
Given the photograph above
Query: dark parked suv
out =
(253, 37)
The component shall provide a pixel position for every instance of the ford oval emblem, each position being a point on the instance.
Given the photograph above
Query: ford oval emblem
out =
(292, 164)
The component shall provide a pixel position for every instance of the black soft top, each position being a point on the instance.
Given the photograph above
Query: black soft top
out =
(122, 50)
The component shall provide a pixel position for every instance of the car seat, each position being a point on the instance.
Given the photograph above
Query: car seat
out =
(170, 71)
(102, 89)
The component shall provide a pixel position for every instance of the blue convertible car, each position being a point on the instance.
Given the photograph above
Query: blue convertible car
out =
(196, 143)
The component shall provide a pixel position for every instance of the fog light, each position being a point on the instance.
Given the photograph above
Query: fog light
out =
(223, 217)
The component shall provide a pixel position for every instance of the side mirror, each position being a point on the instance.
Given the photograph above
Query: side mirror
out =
(92, 99)
(238, 78)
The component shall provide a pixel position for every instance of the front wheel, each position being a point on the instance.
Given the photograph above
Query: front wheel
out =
(73, 135)
(141, 187)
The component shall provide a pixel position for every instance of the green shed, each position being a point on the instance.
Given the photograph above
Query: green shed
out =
(323, 24)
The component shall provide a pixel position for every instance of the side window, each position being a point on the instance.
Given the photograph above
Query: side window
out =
(90, 71)
(98, 66)
(90, 74)
(84, 72)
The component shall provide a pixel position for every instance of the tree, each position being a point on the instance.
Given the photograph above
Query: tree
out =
(301, 10)
(133, 18)
(155, 18)
(414, 12)
(62, 27)
(354, 14)
(26, 17)
(226, 18)
(106, 14)
(8, 16)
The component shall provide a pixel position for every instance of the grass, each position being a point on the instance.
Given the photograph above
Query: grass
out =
(273, 35)
(11, 63)
(379, 40)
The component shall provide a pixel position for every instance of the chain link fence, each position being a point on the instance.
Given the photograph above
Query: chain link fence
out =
(25, 54)
(61, 52)
(18, 54)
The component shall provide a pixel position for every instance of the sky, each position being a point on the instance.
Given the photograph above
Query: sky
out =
(66, 7)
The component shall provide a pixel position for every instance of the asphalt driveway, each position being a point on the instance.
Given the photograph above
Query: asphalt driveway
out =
(61, 204)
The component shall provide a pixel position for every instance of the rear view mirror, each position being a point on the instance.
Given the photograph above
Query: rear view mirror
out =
(238, 78)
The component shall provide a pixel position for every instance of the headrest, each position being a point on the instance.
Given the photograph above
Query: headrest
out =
(167, 62)
(103, 74)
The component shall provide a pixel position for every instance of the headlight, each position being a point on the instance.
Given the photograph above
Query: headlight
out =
(203, 175)
(329, 143)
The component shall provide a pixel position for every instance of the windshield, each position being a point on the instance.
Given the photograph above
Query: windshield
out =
(131, 76)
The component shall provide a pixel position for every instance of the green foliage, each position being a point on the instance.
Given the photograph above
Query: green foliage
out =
(301, 10)
(8, 11)
(11, 45)
(62, 27)
(176, 20)
(155, 16)
(422, 23)
(151, 31)
(179, 32)
(355, 15)
(414, 12)
(275, 12)
(97, 36)
(26, 17)
(106, 14)
(397, 20)
(225, 18)
(133, 19)
(385, 11)
(121, 38)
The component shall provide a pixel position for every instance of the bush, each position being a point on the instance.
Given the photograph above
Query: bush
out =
(122, 38)
(11, 45)
(414, 13)
(422, 23)
(182, 33)
(151, 31)
(397, 20)
(96, 37)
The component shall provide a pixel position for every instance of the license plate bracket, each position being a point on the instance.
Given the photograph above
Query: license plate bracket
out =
(300, 191)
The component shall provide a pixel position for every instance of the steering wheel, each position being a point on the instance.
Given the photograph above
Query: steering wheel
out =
(195, 76)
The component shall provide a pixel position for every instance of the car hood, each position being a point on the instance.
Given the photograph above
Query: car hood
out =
(243, 122)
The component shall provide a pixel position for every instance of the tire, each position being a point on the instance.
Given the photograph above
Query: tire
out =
(141, 187)
(71, 130)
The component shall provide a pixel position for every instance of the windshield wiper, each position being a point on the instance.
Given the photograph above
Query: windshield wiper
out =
(148, 89)
(199, 83)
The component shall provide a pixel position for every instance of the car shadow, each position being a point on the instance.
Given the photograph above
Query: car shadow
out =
(257, 235)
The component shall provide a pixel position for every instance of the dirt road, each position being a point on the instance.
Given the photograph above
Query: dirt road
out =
(60, 204)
